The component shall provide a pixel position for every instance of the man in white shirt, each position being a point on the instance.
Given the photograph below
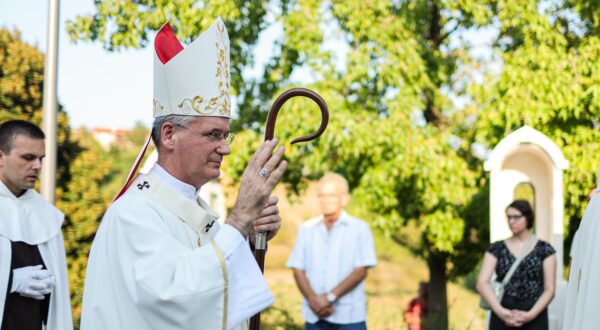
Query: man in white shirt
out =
(34, 289)
(160, 259)
(330, 261)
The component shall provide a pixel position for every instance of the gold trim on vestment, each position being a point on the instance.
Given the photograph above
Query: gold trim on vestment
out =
(225, 279)
(155, 189)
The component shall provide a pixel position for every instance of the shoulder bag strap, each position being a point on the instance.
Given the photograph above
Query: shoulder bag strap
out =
(515, 264)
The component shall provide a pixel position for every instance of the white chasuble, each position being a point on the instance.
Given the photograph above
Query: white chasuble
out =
(161, 261)
(583, 292)
(31, 219)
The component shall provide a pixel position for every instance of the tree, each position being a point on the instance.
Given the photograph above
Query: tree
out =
(392, 133)
(550, 80)
(83, 201)
(408, 149)
(395, 134)
(409, 99)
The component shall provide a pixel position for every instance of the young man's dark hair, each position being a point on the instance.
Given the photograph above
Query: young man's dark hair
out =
(10, 129)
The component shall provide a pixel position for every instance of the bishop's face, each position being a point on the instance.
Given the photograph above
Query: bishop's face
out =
(21, 166)
(199, 149)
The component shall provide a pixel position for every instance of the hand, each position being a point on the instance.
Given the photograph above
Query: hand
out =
(32, 282)
(522, 317)
(321, 306)
(505, 315)
(268, 220)
(255, 188)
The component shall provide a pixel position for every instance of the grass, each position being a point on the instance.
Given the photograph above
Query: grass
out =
(390, 285)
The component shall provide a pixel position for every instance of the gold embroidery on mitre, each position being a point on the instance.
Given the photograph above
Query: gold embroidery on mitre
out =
(220, 102)
(196, 104)
(158, 108)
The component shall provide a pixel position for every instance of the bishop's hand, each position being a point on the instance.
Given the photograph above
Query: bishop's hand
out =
(264, 170)
(268, 221)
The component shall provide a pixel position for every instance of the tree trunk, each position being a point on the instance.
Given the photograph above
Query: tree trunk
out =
(437, 317)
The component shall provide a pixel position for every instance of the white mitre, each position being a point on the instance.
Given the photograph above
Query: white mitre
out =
(192, 81)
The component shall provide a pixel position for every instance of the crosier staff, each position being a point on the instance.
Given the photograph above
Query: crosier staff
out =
(261, 237)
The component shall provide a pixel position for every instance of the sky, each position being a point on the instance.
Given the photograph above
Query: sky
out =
(98, 88)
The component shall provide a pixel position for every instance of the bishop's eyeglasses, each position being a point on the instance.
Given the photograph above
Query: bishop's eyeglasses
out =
(218, 136)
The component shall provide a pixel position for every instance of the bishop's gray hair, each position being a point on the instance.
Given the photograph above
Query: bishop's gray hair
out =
(177, 120)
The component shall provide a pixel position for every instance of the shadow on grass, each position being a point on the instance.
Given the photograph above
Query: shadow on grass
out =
(275, 318)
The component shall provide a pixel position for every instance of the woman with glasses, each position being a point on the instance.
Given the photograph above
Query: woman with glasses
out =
(531, 287)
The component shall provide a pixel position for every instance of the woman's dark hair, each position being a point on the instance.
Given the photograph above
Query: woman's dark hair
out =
(525, 208)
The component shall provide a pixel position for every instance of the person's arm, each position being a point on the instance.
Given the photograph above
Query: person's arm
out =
(350, 282)
(485, 290)
(365, 258)
(318, 303)
(547, 295)
(412, 313)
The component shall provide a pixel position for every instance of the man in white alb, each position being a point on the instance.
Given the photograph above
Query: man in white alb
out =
(34, 288)
(160, 259)
(583, 290)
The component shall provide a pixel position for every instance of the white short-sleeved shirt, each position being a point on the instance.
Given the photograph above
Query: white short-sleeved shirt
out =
(328, 257)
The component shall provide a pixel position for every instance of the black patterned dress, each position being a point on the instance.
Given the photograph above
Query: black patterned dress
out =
(525, 286)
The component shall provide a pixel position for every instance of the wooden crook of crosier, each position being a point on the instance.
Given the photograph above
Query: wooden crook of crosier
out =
(261, 238)
(261, 242)
(293, 92)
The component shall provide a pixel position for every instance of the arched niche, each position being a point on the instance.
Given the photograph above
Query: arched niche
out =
(526, 191)
(528, 165)
(527, 156)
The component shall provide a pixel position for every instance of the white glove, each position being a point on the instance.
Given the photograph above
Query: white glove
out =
(32, 282)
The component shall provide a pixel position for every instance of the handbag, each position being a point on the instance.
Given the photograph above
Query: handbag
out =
(498, 287)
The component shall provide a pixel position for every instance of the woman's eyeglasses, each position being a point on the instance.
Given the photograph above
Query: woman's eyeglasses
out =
(514, 217)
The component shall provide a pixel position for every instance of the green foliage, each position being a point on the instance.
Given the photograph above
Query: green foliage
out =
(83, 201)
(279, 318)
(22, 77)
(550, 80)
(393, 131)
(406, 147)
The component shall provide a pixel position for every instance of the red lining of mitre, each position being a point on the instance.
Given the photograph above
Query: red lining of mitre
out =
(166, 47)
(166, 44)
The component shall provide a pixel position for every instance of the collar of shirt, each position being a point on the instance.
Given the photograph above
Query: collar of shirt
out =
(5, 192)
(28, 218)
(342, 220)
(187, 190)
